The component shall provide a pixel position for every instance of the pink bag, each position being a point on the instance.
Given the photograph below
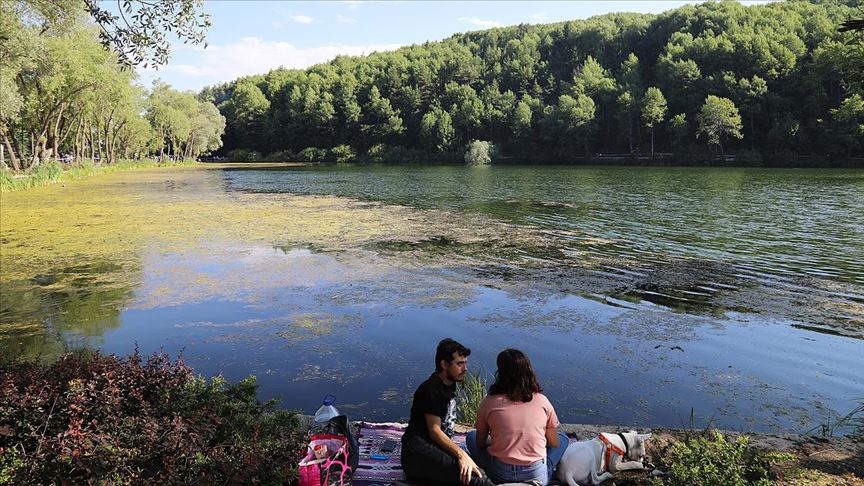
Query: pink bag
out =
(325, 453)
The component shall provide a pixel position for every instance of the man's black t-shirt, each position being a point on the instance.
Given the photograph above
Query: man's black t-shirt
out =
(435, 398)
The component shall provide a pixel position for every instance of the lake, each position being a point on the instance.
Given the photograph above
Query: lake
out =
(642, 295)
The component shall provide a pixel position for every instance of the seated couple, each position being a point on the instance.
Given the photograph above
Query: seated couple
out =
(515, 438)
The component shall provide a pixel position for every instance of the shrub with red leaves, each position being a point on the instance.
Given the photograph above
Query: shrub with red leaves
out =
(94, 418)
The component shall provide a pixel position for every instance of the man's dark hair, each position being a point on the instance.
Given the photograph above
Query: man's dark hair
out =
(515, 377)
(445, 351)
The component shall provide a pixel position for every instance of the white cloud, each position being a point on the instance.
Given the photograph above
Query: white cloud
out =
(481, 22)
(250, 55)
(539, 16)
(302, 19)
(345, 20)
(352, 4)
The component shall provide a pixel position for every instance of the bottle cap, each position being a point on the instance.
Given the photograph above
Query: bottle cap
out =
(329, 399)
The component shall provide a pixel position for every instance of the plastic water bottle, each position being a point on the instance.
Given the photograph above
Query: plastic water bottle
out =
(327, 410)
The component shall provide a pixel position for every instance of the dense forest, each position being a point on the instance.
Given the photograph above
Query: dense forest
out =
(774, 81)
(64, 96)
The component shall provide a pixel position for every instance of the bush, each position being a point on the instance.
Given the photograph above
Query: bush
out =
(281, 156)
(480, 152)
(749, 157)
(244, 155)
(46, 172)
(385, 154)
(89, 418)
(711, 460)
(312, 154)
(342, 153)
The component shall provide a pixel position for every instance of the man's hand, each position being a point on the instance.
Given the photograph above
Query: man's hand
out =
(467, 468)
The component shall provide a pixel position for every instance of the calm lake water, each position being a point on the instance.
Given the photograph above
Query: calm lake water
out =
(639, 293)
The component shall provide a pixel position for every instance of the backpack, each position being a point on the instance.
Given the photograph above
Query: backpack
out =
(334, 451)
(338, 425)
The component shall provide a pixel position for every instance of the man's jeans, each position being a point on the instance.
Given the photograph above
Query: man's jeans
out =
(501, 472)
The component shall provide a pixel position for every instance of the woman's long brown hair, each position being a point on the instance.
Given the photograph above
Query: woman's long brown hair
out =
(515, 377)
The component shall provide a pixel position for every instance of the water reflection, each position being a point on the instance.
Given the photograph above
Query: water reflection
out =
(67, 309)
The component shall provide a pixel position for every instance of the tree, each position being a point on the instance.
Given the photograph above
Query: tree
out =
(479, 152)
(719, 119)
(247, 109)
(653, 110)
(137, 35)
(520, 120)
(679, 127)
(849, 118)
(436, 130)
(382, 120)
(574, 115)
(594, 80)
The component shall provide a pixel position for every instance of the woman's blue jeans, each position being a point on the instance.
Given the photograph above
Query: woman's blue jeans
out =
(501, 472)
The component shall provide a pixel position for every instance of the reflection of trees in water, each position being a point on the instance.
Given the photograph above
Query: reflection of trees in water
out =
(56, 311)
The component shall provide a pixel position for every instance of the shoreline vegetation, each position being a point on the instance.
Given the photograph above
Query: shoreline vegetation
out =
(89, 417)
(53, 172)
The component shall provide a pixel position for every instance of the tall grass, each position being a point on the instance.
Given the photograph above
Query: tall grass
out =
(52, 172)
(469, 393)
(852, 424)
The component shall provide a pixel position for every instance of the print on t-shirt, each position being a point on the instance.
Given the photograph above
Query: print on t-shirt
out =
(449, 422)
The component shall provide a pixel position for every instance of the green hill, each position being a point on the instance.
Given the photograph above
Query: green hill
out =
(783, 81)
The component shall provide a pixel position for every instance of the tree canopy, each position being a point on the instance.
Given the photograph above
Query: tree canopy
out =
(546, 90)
(63, 95)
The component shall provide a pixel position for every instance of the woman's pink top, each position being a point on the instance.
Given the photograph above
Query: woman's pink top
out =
(517, 429)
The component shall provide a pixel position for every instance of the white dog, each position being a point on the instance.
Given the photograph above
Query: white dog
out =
(594, 461)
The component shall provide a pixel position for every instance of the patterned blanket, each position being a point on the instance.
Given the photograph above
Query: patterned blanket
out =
(378, 472)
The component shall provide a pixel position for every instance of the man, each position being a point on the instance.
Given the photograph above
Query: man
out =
(429, 454)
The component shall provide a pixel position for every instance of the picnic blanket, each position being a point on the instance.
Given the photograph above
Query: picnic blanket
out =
(376, 472)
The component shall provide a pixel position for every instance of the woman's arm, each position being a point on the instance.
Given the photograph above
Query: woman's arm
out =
(551, 437)
(482, 438)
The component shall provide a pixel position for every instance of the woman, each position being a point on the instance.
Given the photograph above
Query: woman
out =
(516, 438)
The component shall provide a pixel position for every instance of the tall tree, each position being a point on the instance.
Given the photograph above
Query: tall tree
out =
(436, 130)
(653, 110)
(719, 119)
(382, 121)
(574, 115)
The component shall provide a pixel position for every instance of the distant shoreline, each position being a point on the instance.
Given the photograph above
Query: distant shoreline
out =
(666, 160)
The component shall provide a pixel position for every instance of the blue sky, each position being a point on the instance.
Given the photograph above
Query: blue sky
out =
(253, 37)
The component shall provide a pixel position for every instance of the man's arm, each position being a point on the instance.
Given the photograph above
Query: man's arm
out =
(467, 467)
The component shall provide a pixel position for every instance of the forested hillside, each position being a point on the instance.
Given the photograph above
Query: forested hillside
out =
(771, 80)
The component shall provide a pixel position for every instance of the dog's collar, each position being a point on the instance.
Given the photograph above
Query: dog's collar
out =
(626, 446)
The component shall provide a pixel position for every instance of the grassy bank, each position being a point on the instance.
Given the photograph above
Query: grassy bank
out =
(53, 172)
